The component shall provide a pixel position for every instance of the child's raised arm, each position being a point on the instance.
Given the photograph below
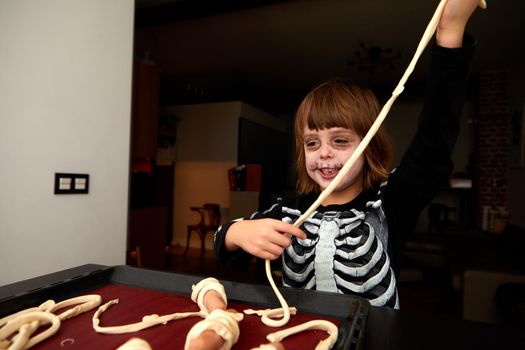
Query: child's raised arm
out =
(453, 21)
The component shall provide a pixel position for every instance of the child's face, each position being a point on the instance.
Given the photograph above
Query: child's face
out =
(326, 151)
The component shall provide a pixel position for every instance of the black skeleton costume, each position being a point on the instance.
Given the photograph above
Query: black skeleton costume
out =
(355, 248)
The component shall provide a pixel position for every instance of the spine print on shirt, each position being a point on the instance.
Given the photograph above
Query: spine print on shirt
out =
(342, 254)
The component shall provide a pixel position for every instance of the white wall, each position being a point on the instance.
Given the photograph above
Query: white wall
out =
(65, 96)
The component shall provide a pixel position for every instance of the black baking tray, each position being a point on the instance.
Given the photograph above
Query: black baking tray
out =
(351, 311)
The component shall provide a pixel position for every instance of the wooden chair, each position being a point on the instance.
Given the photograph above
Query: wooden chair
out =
(210, 218)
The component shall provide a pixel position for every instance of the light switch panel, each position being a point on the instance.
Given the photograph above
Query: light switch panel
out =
(67, 183)
(64, 183)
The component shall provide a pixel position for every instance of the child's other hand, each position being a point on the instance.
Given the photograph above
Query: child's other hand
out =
(453, 21)
(263, 238)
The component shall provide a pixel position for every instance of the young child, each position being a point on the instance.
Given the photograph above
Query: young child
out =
(353, 242)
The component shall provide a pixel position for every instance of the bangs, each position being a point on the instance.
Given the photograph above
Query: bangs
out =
(328, 106)
(329, 111)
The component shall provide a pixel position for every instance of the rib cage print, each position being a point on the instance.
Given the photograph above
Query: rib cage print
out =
(344, 252)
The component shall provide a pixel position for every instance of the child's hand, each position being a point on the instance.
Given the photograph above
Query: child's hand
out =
(263, 238)
(453, 21)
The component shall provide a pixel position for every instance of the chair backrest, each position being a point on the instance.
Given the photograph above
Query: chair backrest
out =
(212, 214)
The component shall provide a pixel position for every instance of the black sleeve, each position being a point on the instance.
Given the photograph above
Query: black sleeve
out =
(426, 166)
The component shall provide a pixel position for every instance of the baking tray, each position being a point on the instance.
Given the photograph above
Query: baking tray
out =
(350, 311)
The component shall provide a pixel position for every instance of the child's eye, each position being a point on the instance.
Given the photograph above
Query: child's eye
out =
(311, 143)
(341, 141)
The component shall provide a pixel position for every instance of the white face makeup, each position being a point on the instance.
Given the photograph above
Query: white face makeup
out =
(326, 151)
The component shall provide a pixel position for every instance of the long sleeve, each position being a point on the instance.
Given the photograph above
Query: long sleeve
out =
(426, 166)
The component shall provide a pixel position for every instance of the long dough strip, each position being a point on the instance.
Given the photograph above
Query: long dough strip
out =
(8, 318)
(86, 303)
(27, 329)
(45, 307)
(269, 346)
(268, 314)
(284, 305)
(20, 340)
(147, 321)
(25, 319)
(324, 325)
(427, 35)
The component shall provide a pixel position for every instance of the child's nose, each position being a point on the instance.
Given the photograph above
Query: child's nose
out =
(325, 151)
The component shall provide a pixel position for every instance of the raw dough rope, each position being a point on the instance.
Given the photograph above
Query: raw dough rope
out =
(147, 321)
(267, 314)
(27, 321)
(85, 303)
(25, 331)
(21, 324)
(284, 305)
(198, 292)
(427, 35)
(323, 325)
(135, 344)
(19, 340)
(200, 289)
(45, 306)
(222, 322)
(269, 346)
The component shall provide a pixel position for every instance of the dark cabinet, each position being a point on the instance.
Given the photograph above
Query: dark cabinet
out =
(151, 215)
(145, 110)
(147, 231)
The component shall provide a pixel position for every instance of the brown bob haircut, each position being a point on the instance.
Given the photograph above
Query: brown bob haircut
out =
(337, 104)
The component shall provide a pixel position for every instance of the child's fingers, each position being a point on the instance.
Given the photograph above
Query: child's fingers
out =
(268, 256)
(289, 229)
(297, 232)
(275, 249)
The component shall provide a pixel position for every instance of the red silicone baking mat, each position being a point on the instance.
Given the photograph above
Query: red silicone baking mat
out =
(144, 292)
(134, 303)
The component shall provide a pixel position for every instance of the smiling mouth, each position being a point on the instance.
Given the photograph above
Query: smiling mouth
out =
(329, 172)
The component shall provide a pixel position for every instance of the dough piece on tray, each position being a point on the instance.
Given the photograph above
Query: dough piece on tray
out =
(270, 346)
(222, 322)
(135, 344)
(83, 304)
(268, 314)
(200, 289)
(21, 324)
(147, 321)
(324, 325)
(24, 323)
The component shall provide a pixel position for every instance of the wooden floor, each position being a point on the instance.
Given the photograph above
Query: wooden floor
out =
(429, 292)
